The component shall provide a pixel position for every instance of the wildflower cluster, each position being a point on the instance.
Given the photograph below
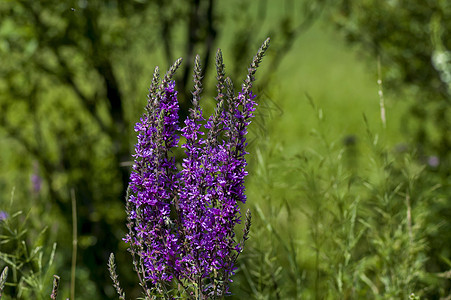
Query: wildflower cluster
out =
(181, 222)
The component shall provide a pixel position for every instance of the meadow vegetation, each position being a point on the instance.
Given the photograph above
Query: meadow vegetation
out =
(345, 205)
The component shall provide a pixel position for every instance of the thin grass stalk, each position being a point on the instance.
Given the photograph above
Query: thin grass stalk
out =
(409, 218)
(381, 94)
(74, 245)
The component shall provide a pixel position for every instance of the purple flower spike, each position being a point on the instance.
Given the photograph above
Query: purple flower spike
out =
(181, 221)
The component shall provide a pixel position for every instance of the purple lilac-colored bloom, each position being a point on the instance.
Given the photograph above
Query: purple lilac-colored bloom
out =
(181, 222)
(3, 215)
(153, 184)
(208, 188)
(212, 185)
(36, 180)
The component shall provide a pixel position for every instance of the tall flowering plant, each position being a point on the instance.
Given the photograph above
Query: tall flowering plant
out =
(181, 220)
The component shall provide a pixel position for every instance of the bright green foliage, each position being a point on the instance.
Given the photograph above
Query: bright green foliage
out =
(349, 219)
(413, 41)
(72, 76)
(28, 255)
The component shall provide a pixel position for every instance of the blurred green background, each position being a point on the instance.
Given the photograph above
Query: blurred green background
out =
(331, 182)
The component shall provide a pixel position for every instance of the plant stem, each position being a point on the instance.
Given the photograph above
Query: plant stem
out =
(74, 245)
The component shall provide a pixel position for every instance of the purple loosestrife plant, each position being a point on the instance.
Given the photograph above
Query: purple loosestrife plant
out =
(181, 221)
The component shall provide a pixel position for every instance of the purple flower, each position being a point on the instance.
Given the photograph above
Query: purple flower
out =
(433, 161)
(36, 180)
(181, 221)
(153, 184)
(3, 215)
